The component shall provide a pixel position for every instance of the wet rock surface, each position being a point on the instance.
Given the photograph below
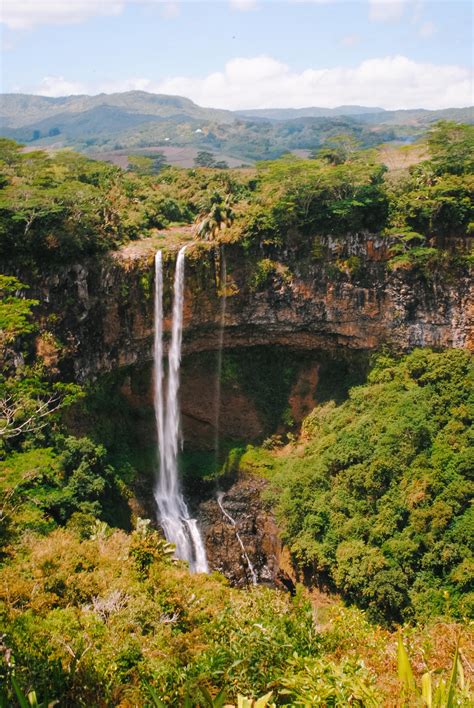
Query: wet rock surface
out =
(257, 529)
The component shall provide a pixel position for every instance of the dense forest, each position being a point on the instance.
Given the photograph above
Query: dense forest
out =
(371, 495)
(62, 206)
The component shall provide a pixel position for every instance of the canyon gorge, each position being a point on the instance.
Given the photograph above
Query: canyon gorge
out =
(301, 320)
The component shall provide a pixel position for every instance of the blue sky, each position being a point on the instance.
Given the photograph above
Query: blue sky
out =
(244, 53)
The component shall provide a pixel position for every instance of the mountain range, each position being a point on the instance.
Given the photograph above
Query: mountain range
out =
(137, 120)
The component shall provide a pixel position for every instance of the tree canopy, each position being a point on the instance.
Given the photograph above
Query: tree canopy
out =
(61, 206)
(377, 505)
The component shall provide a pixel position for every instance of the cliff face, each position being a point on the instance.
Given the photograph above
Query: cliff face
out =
(296, 326)
(330, 295)
(258, 555)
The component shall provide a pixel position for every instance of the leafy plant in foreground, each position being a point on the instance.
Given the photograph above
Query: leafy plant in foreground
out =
(446, 694)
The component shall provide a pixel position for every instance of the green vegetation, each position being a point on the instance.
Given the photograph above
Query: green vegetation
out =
(377, 505)
(147, 164)
(298, 198)
(344, 191)
(446, 690)
(63, 206)
(95, 616)
(206, 159)
(372, 498)
(435, 201)
(29, 398)
(15, 311)
(337, 150)
(71, 480)
(216, 215)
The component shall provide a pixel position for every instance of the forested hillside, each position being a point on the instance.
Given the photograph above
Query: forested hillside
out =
(374, 497)
(63, 205)
(137, 120)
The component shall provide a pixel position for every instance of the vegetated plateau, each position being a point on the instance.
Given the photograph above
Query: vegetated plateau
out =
(361, 453)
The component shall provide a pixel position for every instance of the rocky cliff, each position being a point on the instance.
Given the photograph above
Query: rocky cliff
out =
(296, 329)
(329, 294)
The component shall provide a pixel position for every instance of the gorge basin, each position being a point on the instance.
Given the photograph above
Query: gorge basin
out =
(265, 391)
(301, 338)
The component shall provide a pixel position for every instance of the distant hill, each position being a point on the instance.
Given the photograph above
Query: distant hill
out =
(122, 123)
(419, 116)
(311, 112)
(20, 110)
(72, 127)
(362, 113)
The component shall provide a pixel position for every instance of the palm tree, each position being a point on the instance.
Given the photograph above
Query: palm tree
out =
(217, 215)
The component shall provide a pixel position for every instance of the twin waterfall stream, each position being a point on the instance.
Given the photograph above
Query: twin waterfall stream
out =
(173, 514)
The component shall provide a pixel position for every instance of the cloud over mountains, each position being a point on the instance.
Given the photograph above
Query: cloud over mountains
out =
(264, 82)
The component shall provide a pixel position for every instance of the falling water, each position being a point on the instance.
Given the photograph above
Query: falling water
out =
(220, 497)
(217, 405)
(173, 513)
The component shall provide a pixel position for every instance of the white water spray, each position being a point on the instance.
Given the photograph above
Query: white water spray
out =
(253, 575)
(173, 512)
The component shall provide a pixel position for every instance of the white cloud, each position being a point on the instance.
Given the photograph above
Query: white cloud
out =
(59, 86)
(23, 14)
(243, 5)
(427, 30)
(389, 82)
(263, 82)
(133, 84)
(386, 10)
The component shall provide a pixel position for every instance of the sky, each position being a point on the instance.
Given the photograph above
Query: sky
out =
(241, 54)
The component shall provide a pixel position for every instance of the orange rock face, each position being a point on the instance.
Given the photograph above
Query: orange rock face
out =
(103, 309)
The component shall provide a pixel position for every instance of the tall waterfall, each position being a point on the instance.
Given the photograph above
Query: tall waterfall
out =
(173, 512)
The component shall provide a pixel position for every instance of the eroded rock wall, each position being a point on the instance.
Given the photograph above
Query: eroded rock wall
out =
(329, 294)
(331, 298)
(258, 532)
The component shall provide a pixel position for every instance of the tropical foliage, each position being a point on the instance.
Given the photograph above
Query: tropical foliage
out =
(61, 206)
(216, 215)
(373, 497)
(298, 198)
(29, 397)
(95, 616)
(376, 504)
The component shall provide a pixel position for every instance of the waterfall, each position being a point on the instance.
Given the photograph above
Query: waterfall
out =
(223, 285)
(220, 497)
(173, 512)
